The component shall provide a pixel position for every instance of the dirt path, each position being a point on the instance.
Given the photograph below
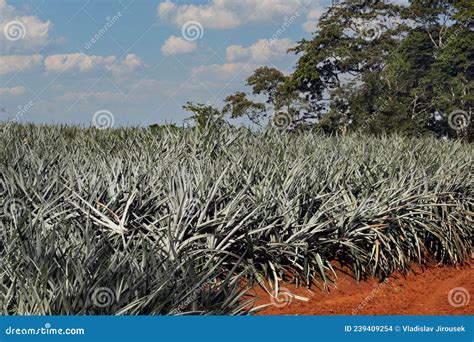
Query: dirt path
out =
(438, 290)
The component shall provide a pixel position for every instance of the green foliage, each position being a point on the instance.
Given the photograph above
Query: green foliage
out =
(238, 105)
(266, 81)
(280, 97)
(180, 221)
(204, 115)
(376, 67)
(372, 67)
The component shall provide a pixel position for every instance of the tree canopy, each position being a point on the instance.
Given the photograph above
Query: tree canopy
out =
(374, 67)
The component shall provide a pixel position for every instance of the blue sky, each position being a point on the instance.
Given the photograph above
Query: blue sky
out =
(141, 66)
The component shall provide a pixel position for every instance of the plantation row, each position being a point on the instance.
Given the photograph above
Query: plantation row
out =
(135, 221)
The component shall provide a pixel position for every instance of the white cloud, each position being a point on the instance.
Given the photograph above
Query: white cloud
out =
(226, 14)
(223, 72)
(131, 63)
(13, 91)
(83, 63)
(15, 63)
(312, 19)
(261, 51)
(177, 46)
(25, 32)
(99, 96)
(166, 9)
(76, 62)
(242, 61)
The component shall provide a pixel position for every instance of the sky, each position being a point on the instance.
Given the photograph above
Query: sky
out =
(139, 61)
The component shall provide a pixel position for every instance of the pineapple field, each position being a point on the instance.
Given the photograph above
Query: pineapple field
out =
(136, 221)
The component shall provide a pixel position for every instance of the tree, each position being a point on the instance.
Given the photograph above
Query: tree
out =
(351, 43)
(375, 67)
(438, 57)
(378, 67)
(204, 115)
(266, 81)
(279, 95)
(238, 105)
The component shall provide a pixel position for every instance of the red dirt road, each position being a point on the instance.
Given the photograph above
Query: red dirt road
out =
(438, 290)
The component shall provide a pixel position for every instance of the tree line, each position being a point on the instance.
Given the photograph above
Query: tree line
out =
(371, 67)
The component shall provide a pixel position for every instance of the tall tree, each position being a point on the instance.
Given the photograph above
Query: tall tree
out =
(352, 41)
(279, 94)
(438, 66)
(375, 66)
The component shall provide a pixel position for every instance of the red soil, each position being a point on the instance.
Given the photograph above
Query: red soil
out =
(422, 292)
